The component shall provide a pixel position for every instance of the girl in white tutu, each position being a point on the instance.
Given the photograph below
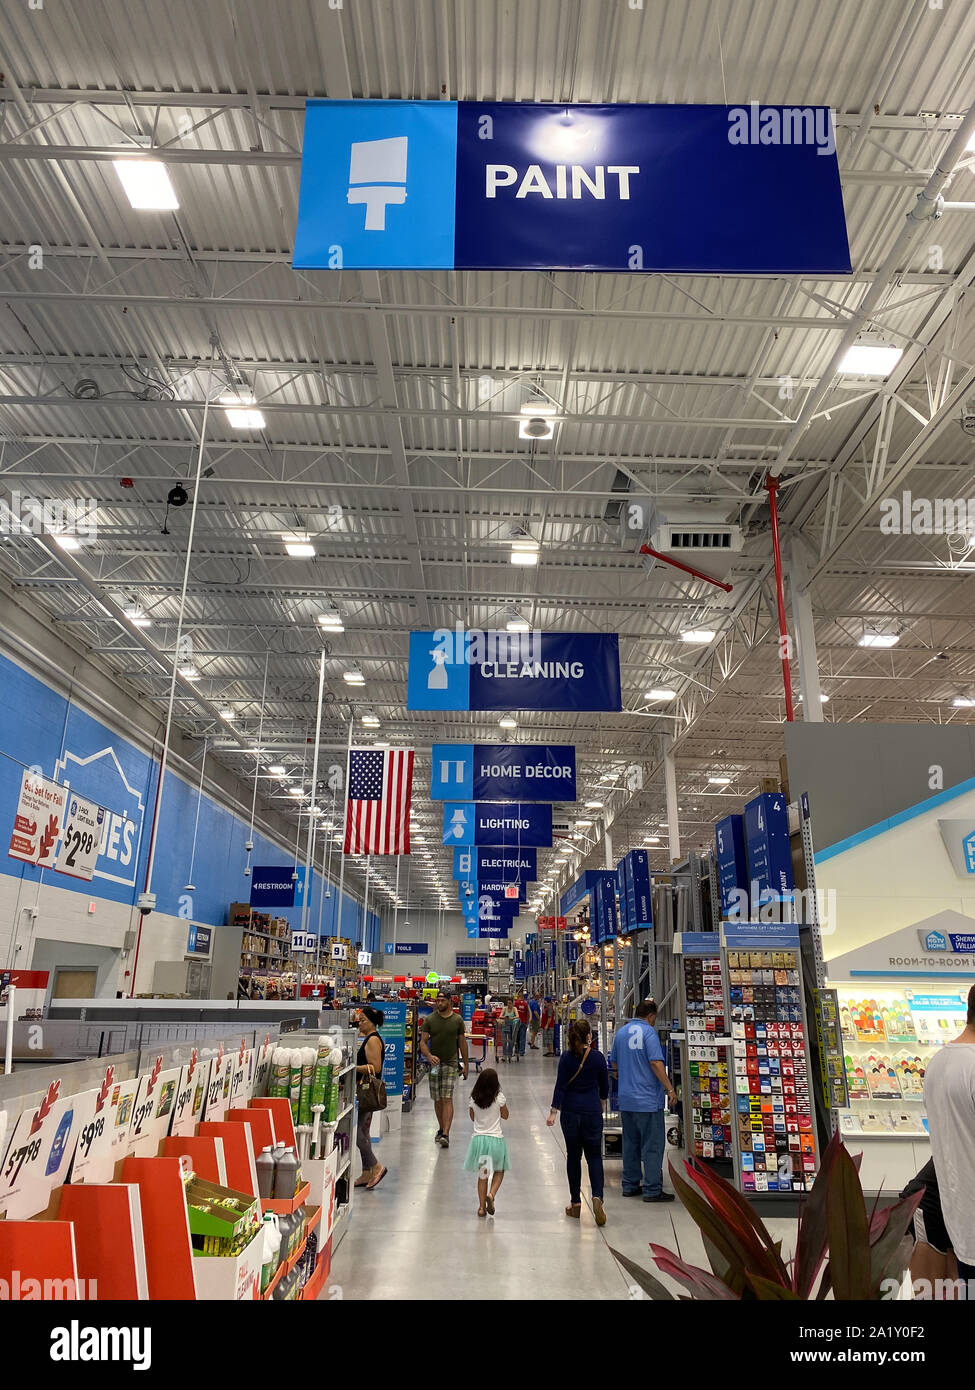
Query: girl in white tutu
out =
(487, 1153)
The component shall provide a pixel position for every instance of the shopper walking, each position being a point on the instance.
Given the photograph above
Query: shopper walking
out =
(638, 1060)
(369, 1062)
(487, 1153)
(535, 1022)
(524, 1014)
(949, 1099)
(509, 1030)
(548, 1027)
(581, 1086)
(443, 1042)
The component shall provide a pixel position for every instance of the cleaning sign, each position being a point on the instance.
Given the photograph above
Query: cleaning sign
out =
(569, 671)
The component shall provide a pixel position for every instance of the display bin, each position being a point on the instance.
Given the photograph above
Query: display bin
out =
(286, 1205)
(223, 1278)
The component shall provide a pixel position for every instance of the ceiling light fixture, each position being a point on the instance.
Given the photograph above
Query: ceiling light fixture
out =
(147, 184)
(299, 547)
(507, 721)
(879, 639)
(720, 781)
(226, 714)
(277, 770)
(660, 692)
(870, 355)
(594, 805)
(537, 421)
(189, 673)
(353, 678)
(698, 636)
(239, 416)
(370, 721)
(963, 702)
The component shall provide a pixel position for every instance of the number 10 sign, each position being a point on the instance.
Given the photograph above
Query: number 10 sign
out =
(80, 838)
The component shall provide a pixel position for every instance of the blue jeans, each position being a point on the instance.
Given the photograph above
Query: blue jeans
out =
(521, 1038)
(643, 1149)
(583, 1134)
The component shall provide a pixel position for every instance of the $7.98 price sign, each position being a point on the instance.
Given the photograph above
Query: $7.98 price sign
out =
(80, 838)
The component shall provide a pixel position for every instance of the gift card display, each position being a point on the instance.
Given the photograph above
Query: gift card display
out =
(709, 1081)
(773, 1110)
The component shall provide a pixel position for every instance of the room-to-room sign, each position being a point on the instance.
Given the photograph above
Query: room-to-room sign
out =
(487, 771)
(497, 671)
(521, 185)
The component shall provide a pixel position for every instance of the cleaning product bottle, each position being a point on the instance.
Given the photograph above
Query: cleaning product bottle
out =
(265, 1172)
(321, 1079)
(286, 1176)
(308, 1059)
(271, 1256)
(280, 1072)
(294, 1085)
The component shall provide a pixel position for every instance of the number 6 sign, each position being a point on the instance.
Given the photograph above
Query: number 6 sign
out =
(80, 838)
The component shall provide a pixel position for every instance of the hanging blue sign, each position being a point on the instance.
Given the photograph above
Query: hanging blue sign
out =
(569, 671)
(503, 771)
(731, 860)
(486, 912)
(532, 186)
(406, 948)
(754, 936)
(604, 925)
(496, 823)
(639, 908)
(699, 943)
(575, 893)
(274, 886)
(767, 845)
(507, 861)
(498, 887)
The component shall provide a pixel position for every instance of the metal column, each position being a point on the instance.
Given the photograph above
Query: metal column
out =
(802, 617)
(670, 789)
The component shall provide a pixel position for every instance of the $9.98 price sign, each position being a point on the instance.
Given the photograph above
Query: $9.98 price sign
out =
(80, 838)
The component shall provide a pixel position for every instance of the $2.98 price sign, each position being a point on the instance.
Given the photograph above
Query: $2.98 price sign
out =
(80, 838)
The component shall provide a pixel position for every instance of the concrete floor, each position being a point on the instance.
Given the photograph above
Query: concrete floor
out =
(418, 1230)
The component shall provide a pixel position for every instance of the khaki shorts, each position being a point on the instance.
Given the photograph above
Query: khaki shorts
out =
(443, 1081)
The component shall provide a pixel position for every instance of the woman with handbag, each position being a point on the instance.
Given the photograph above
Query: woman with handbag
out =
(581, 1087)
(370, 1092)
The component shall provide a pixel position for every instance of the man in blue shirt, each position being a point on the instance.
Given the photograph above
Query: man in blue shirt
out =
(638, 1061)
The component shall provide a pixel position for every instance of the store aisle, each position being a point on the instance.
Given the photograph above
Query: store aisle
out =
(417, 1234)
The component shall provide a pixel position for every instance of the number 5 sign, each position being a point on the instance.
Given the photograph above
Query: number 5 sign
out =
(80, 838)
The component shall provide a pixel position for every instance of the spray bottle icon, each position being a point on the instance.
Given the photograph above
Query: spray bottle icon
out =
(437, 679)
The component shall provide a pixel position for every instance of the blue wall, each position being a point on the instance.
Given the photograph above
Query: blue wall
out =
(41, 728)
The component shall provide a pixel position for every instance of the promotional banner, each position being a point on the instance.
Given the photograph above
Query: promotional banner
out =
(496, 823)
(569, 671)
(496, 771)
(506, 860)
(81, 838)
(535, 186)
(37, 824)
(394, 1042)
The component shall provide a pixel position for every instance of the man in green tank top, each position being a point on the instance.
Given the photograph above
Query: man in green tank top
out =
(443, 1042)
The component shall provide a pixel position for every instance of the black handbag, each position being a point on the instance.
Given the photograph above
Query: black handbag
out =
(370, 1092)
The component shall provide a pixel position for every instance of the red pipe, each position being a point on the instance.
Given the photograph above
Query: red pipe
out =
(649, 550)
(785, 641)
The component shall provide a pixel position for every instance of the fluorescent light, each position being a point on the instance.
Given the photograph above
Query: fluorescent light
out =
(189, 673)
(226, 714)
(238, 415)
(870, 355)
(963, 702)
(295, 791)
(370, 721)
(276, 770)
(332, 621)
(141, 621)
(522, 555)
(700, 636)
(147, 184)
(720, 781)
(594, 805)
(651, 839)
(518, 625)
(507, 721)
(583, 824)
(67, 542)
(660, 692)
(300, 548)
(879, 639)
(353, 678)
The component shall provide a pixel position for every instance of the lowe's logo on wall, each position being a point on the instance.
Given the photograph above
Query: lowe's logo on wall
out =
(505, 185)
(499, 671)
(101, 776)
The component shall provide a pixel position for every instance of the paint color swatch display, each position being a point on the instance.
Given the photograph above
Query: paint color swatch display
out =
(773, 1107)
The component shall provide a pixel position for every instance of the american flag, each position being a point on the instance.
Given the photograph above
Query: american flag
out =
(377, 813)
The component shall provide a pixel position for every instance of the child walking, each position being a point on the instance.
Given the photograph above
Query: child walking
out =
(487, 1153)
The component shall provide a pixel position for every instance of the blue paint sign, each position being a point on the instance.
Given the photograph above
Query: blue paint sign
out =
(275, 886)
(406, 948)
(496, 823)
(529, 186)
(566, 671)
(509, 861)
(503, 771)
(767, 845)
(731, 860)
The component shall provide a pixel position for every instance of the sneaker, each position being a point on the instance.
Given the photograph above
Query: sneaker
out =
(445, 1144)
(438, 1136)
(661, 1197)
(634, 1192)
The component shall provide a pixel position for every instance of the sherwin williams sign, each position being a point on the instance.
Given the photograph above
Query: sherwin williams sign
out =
(498, 671)
(508, 861)
(490, 771)
(496, 823)
(524, 186)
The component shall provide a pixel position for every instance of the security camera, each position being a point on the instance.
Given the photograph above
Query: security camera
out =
(146, 902)
(247, 873)
(967, 420)
(249, 846)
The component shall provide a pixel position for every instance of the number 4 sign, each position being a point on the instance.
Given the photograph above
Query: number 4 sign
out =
(80, 838)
